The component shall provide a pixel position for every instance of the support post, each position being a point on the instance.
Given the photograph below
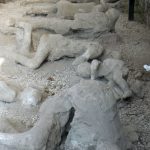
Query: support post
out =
(131, 10)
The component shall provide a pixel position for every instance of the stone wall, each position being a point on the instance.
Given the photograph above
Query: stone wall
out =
(144, 10)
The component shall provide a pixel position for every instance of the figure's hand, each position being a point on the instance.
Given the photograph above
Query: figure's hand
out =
(94, 68)
(127, 94)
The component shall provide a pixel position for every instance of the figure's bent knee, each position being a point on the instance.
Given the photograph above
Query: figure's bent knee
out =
(94, 50)
(33, 65)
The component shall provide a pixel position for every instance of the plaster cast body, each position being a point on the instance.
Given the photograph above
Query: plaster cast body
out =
(54, 47)
(112, 69)
(86, 114)
(88, 98)
(96, 22)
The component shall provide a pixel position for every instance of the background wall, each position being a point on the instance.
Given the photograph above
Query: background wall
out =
(142, 10)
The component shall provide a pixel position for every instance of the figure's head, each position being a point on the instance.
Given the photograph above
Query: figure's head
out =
(88, 70)
(84, 70)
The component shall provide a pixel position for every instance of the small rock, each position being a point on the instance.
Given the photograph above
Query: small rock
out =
(136, 87)
(138, 75)
(51, 79)
(31, 96)
(6, 93)
(130, 132)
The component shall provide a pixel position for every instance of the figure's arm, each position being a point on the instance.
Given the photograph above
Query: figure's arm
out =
(120, 81)
(59, 26)
(93, 51)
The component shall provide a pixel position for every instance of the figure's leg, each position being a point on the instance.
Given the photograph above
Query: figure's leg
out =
(79, 60)
(41, 54)
(94, 50)
(118, 79)
(23, 37)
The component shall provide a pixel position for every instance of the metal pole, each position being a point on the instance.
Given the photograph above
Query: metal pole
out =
(131, 10)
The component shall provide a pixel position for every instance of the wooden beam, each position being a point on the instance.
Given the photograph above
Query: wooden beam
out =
(131, 10)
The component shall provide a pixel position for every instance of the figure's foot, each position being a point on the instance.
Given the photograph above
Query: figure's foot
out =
(78, 60)
(127, 94)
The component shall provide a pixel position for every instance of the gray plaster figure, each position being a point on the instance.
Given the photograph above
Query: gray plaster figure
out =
(99, 21)
(94, 122)
(53, 47)
(112, 69)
